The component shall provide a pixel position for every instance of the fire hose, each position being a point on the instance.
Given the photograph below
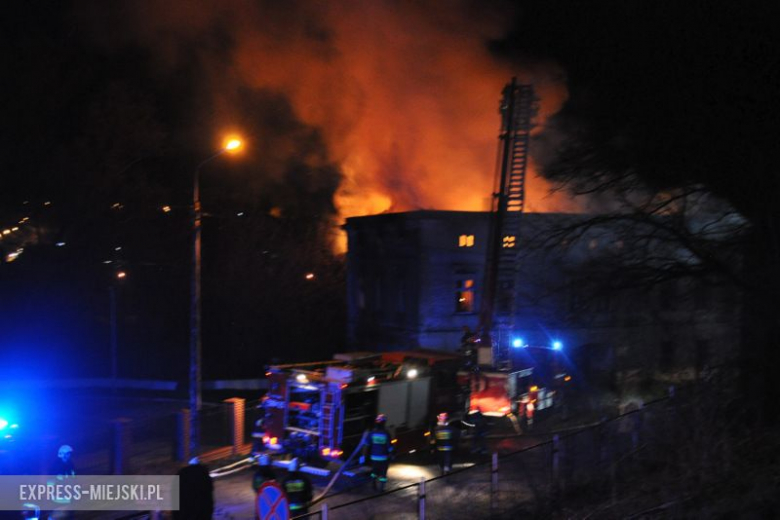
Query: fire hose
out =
(341, 469)
(232, 468)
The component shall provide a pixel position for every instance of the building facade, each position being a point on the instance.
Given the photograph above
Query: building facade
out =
(415, 279)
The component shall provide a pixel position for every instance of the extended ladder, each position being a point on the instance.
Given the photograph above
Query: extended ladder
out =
(518, 108)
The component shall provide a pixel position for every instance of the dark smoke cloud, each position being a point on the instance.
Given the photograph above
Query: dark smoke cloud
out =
(402, 94)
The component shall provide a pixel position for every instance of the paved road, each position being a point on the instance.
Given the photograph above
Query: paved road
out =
(235, 499)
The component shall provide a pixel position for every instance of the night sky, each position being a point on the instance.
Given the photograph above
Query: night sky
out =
(347, 108)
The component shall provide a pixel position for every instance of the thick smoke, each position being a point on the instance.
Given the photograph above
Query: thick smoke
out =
(404, 94)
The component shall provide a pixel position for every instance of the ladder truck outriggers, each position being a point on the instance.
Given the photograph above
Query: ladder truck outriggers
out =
(508, 373)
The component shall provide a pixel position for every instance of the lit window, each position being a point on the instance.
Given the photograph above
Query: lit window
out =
(466, 241)
(464, 296)
(509, 241)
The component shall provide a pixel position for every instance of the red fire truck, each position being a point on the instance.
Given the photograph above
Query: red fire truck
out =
(319, 410)
(535, 375)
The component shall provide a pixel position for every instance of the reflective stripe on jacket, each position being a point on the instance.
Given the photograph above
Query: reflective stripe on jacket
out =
(379, 442)
(298, 490)
(445, 438)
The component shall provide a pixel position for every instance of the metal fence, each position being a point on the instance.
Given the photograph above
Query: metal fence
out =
(539, 481)
(156, 443)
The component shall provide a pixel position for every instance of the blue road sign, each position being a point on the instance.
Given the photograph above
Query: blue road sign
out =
(272, 502)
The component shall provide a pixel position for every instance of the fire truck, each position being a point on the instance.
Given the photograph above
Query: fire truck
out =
(506, 373)
(319, 411)
(532, 380)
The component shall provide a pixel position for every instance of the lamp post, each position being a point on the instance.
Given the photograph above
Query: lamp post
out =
(231, 146)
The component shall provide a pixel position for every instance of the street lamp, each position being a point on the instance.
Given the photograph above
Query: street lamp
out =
(231, 145)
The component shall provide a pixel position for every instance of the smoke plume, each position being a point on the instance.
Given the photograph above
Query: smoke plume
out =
(404, 94)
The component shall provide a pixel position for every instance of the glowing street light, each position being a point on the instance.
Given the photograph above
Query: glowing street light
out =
(231, 144)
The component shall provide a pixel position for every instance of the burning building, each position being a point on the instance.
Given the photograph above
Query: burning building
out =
(416, 279)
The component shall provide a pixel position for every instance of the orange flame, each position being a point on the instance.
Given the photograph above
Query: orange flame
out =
(405, 94)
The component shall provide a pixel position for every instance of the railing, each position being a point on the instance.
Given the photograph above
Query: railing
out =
(531, 482)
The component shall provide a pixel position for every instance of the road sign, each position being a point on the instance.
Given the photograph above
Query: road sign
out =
(272, 502)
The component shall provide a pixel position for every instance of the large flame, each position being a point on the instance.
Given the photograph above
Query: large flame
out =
(406, 93)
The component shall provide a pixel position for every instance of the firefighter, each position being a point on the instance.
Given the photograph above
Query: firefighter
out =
(445, 443)
(196, 492)
(379, 447)
(298, 489)
(263, 471)
(63, 466)
(530, 408)
(480, 423)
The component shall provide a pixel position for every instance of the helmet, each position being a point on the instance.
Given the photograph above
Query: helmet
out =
(442, 418)
(264, 460)
(64, 449)
(294, 465)
(381, 418)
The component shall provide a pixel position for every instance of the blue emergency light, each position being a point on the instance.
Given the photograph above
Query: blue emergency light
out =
(517, 342)
(557, 345)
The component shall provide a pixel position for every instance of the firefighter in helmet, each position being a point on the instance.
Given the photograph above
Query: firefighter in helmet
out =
(298, 489)
(445, 442)
(263, 471)
(379, 447)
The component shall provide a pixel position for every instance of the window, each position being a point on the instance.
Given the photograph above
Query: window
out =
(466, 241)
(464, 295)
(509, 241)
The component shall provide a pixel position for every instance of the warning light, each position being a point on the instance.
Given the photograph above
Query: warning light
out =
(567, 378)
(274, 440)
(534, 388)
(517, 342)
(557, 345)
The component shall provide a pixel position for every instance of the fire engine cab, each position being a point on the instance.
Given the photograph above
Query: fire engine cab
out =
(318, 411)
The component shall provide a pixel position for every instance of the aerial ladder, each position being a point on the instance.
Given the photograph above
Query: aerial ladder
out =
(518, 107)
